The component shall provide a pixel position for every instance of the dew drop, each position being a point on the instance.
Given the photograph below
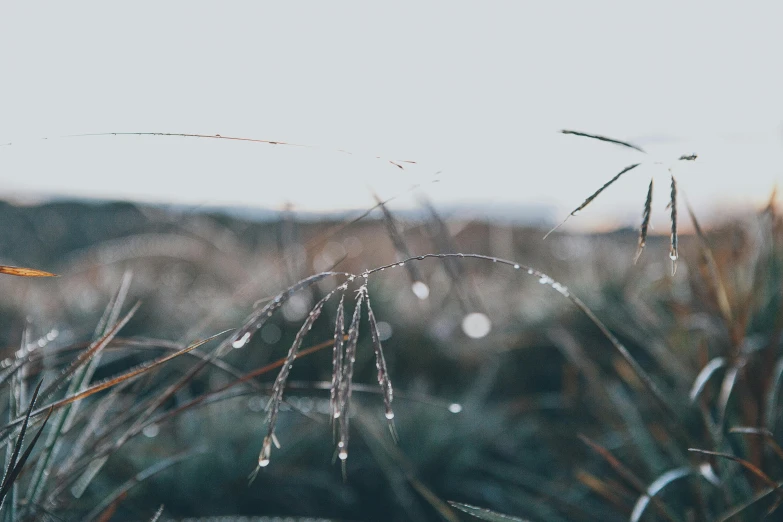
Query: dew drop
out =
(476, 325)
(242, 341)
(151, 431)
(401, 264)
(455, 407)
(263, 462)
(673, 256)
(530, 271)
(421, 290)
(390, 415)
(516, 267)
(343, 454)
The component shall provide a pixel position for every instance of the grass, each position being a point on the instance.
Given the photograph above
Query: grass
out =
(181, 362)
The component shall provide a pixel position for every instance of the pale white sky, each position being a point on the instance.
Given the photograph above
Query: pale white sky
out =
(476, 91)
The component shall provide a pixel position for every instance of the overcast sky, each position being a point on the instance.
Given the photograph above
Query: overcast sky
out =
(475, 92)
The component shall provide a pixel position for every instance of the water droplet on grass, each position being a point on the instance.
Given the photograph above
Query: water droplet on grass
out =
(242, 341)
(151, 431)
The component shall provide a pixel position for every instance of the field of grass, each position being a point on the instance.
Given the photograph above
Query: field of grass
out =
(548, 380)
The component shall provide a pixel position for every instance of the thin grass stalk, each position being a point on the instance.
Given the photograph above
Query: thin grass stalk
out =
(398, 241)
(645, 222)
(592, 197)
(337, 361)
(674, 248)
(742, 462)
(157, 514)
(657, 485)
(443, 241)
(764, 433)
(347, 378)
(11, 464)
(484, 514)
(380, 364)
(11, 478)
(14, 405)
(704, 376)
(718, 285)
(397, 163)
(24, 272)
(277, 390)
(604, 138)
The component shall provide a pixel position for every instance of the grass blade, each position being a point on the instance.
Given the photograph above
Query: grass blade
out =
(717, 281)
(337, 361)
(484, 514)
(704, 376)
(742, 462)
(11, 471)
(654, 488)
(380, 364)
(157, 514)
(604, 138)
(594, 195)
(674, 249)
(24, 272)
(282, 376)
(398, 241)
(347, 378)
(645, 222)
